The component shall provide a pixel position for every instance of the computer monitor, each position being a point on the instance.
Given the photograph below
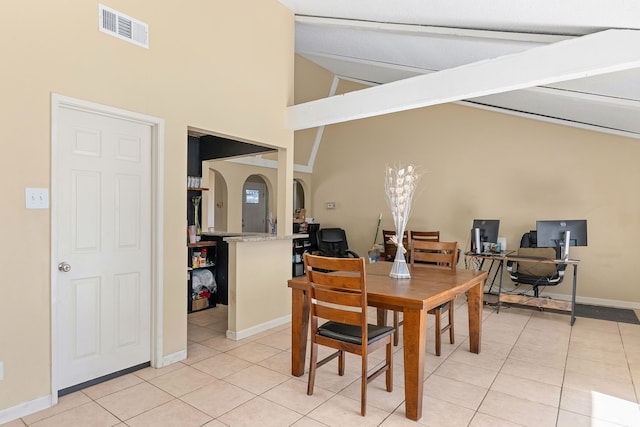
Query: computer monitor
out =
(561, 234)
(488, 233)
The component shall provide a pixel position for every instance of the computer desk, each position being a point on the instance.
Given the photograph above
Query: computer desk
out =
(502, 257)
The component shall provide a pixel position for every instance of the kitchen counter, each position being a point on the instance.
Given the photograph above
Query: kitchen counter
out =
(250, 237)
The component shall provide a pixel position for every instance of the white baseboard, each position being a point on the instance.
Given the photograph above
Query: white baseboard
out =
(597, 301)
(25, 408)
(258, 328)
(173, 358)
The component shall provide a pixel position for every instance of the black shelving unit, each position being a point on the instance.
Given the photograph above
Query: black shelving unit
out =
(210, 265)
(300, 246)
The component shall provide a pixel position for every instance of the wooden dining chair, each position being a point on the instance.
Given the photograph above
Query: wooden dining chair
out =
(425, 235)
(439, 255)
(338, 293)
(391, 248)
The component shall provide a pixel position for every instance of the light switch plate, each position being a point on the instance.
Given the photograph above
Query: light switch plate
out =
(331, 205)
(37, 198)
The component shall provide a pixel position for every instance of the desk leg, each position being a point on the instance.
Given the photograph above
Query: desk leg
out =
(299, 330)
(474, 303)
(499, 288)
(573, 294)
(415, 337)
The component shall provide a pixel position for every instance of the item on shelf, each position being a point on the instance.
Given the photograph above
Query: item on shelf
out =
(196, 218)
(195, 260)
(194, 182)
(199, 304)
(203, 258)
(192, 233)
(203, 281)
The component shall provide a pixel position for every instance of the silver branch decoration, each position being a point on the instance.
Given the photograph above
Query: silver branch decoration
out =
(399, 185)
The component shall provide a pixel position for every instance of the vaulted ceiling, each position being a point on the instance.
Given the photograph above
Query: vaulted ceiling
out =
(544, 59)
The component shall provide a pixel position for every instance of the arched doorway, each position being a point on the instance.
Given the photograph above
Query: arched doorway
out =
(217, 201)
(298, 197)
(255, 202)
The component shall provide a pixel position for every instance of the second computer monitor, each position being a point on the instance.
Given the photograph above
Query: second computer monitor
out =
(488, 229)
(553, 233)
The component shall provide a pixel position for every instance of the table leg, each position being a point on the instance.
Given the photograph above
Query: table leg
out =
(381, 315)
(299, 330)
(415, 337)
(474, 303)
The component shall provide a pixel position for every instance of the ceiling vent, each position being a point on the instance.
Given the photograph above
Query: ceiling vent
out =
(122, 26)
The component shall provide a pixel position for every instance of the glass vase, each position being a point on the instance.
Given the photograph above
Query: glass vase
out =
(400, 269)
(196, 219)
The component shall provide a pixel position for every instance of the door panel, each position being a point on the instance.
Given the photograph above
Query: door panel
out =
(104, 233)
(254, 207)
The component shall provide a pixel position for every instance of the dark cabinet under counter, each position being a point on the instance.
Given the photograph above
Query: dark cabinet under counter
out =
(222, 267)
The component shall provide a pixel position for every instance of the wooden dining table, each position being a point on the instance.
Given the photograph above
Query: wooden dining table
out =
(427, 288)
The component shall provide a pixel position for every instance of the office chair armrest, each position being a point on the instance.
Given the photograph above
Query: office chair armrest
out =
(353, 254)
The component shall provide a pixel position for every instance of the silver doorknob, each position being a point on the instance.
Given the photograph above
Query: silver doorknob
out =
(63, 266)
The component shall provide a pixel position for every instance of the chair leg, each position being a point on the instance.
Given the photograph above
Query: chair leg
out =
(438, 313)
(363, 385)
(396, 326)
(451, 334)
(341, 363)
(312, 368)
(389, 373)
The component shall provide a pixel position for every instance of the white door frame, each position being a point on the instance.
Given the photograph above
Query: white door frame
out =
(59, 102)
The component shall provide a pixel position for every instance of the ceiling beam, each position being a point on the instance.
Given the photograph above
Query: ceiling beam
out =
(599, 53)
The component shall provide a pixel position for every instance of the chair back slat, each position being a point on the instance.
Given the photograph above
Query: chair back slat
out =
(441, 254)
(337, 315)
(425, 235)
(335, 278)
(333, 296)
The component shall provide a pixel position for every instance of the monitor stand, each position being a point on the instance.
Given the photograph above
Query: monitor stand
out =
(567, 243)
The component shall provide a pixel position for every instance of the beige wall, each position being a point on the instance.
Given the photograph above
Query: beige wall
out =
(224, 66)
(258, 300)
(480, 164)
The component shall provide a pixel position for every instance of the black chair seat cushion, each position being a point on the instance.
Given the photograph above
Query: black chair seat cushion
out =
(536, 280)
(441, 306)
(352, 333)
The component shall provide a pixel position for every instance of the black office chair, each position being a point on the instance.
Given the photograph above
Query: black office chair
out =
(332, 242)
(535, 273)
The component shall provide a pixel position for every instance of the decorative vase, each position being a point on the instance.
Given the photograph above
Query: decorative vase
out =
(400, 270)
(196, 218)
(197, 221)
(400, 184)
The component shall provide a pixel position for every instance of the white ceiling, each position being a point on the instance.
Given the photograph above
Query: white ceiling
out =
(382, 41)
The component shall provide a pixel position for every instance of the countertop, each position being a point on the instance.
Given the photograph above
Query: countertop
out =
(250, 237)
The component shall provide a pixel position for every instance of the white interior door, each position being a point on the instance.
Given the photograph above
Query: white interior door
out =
(104, 236)
(254, 207)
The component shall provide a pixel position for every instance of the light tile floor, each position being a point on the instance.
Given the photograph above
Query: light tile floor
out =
(534, 370)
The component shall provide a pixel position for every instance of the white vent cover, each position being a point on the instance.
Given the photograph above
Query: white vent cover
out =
(122, 26)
